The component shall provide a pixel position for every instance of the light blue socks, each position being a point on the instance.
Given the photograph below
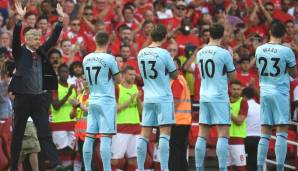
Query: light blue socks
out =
(200, 151)
(88, 152)
(164, 151)
(222, 149)
(262, 151)
(281, 148)
(105, 153)
(141, 152)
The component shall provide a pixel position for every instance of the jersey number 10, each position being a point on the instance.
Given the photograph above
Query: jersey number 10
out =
(205, 68)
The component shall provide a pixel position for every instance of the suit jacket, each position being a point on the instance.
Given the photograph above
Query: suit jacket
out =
(23, 61)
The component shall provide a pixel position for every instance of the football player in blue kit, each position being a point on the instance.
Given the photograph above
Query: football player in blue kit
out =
(101, 71)
(157, 67)
(216, 66)
(275, 63)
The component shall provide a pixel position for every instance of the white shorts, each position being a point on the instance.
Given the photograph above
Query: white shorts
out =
(237, 156)
(64, 139)
(124, 144)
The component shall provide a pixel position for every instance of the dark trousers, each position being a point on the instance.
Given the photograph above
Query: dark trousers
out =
(251, 148)
(178, 148)
(36, 106)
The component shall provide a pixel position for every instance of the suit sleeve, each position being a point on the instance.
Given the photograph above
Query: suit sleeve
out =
(53, 38)
(16, 40)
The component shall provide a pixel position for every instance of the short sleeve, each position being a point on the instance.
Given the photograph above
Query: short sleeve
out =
(229, 62)
(296, 93)
(243, 107)
(291, 61)
(170, 65)
(113, 66)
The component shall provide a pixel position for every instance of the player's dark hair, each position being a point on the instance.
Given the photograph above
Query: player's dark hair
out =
(158, 33)
(62, 66)
(237, 82)
(53, 51)
(216, 31)
(128, 68)
(248, 92)
(42, 17)
(147, 22)
(243, 59)
(102, 38)
(72, 67)
(278, 29)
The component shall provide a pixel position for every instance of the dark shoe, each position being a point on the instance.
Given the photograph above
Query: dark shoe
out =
(61, 168)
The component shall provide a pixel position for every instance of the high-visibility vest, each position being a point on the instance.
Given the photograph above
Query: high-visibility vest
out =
(238, 131)
(183, 104)
(81, 124)
(129, 115)
(63, 113)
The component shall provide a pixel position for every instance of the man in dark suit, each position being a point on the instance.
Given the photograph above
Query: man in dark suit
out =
(33, 77)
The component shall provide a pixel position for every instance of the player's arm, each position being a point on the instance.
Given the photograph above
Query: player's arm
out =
(170, 66)
(188, 64)
(115, 71)
(291, 63)
(229, 66)
(174, 74)
(238, 120)
(117, 78)
(293, 71)
(140, 101)
(232, 75)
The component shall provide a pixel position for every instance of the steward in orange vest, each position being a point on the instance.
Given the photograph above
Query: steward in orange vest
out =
(183, 103)
(179, 134)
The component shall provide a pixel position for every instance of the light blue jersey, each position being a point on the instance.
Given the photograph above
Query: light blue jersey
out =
(272, 61)
(214, 62)
(155, 64)
(99, 69)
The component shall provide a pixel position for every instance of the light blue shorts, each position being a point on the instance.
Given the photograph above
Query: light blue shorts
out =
(101, 118)
(275, 110)
(156, 114)
(215, 113)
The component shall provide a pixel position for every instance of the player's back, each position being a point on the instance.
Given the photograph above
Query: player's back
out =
(272, 61)
(155, 64)
(214, 62)
(98, 69)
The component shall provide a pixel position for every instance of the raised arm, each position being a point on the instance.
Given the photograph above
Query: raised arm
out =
(56, 32)
(16, 40)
